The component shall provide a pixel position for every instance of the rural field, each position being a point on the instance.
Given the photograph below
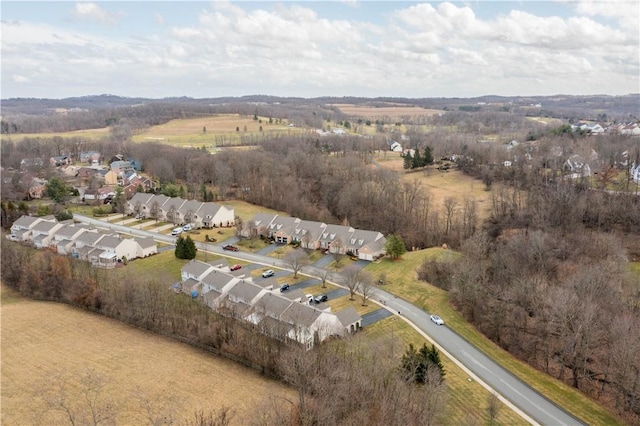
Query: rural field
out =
(391, 111)
(44, 341)
(221, 130)
(444, 184)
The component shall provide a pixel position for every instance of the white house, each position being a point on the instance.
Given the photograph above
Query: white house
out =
(635, 173)
(146, 246)
(42, 234)
(395, 146)
(195, 269)
(21, 228)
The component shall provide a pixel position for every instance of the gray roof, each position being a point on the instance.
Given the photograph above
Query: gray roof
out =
(238, 308)
(110, 241)
(44, 226)
(142, 198)
(69, 231)
(313, 229)
(300, 314)
(176, 203)
(196, 268)
(26, 221)
(63, 242)
(263, 219)
(190, 206)
(208, 210)
(189, 284)
(89, 237)
(244, 291)
(219, 263)
(274, 327)
(360, 238)
(145, 242)
(348, 316)
(272, 305)
(284, 224)
(333, 232)
(217, 280)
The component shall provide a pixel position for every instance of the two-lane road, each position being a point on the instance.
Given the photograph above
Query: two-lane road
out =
(534, 407)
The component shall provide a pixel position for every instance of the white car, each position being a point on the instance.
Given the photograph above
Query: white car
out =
(437, 319)
(187, 227)
(268, 273)
(176, 231)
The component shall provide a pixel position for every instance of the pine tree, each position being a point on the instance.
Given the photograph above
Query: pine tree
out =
(418, 363)
(417, 159)
(180, 248)
(428, 156)
(189, 248)
(408, 161)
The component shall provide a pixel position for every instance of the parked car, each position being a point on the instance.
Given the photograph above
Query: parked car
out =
(321, 298)
(437, 319)
(229, 247)
(176, 231)
(268, 273)
(187, 227)
(309, 298)
(284, 287)
(235, 267)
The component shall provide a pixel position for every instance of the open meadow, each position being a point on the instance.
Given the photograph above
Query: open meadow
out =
(387, 111)
(44, 342)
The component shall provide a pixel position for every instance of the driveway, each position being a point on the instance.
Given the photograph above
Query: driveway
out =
(377, 315)
(324, 261)
(306, 283)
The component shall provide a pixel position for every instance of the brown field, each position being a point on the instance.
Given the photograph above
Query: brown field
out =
(40, 340)
(388, 111)
(442, 185)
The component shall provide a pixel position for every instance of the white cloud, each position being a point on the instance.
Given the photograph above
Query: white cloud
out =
(94, 13)
(19, 78)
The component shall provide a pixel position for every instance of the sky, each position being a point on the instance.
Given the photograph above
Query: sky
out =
(158, 49)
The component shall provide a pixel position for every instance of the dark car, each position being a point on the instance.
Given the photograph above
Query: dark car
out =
(284, 287)
(321, 298)
(230, 247)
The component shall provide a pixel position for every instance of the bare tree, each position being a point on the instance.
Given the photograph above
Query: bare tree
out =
(365, 286)
(352, 275)
(296, 260)
(493, 408)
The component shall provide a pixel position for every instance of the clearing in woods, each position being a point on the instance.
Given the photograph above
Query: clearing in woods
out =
(389, 110)
(42, 339)
(444, 184)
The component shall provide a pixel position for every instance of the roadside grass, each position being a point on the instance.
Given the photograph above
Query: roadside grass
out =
(252, 244)
(401, 280)
(246, 210)
(343, 302)
(164, 267)
(467, 399)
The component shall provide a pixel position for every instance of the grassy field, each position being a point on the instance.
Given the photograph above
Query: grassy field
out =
(401, 280)
(92, 134)
(221, 130)
(390, 110)
(35, 347)
(442, 185)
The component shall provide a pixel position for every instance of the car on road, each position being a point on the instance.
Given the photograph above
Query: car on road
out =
(321, 298)
(436, 319)
(284, 287)
(268, 273)
(235, 267)
(229, 247)
(176, 231)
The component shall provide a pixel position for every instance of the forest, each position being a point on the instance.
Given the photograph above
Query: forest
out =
(545, 275)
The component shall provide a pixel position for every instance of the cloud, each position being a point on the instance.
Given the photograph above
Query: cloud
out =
(94, 13)
(19, 78)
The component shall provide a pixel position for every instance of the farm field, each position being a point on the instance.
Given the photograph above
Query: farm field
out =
(391, 110)
(135, 365)
(92, 134)
(220, 131)
(442, 185)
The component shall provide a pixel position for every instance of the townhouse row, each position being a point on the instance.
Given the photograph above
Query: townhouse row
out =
(284, 316)
(180, 211)
(104, 250)
(340, 239)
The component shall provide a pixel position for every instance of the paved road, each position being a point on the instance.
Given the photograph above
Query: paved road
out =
(534, 407)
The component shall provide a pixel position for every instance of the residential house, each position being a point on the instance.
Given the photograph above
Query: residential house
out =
(43, 232)
(111, 178)
(395, 146)
(196, 269)
(139, 205)
(308, 234)
(171, 210)
(215, 286)
(116, 249)
(240, 298)
(307, 322)
(31, 163)
(85, 243)
(36, 188)
(282, 228)
(269, 305)
(190, 212)
(99, 194)
(90, 157)
(65, 237)
(258, 225)
(121, 167)
(59, 160)
(135, 164)
(128, 177)
(635, 173)
(21, 228)
(146, 246)
(577, 167)
(367, 245)
(335, 237)
(350, 319)
(217, 215)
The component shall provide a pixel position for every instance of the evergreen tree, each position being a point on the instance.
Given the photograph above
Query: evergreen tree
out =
(189, 248)
(417, 364)
(417, 159)
(180, 247)
(408, 161)
(395, 246)
(428, 156)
